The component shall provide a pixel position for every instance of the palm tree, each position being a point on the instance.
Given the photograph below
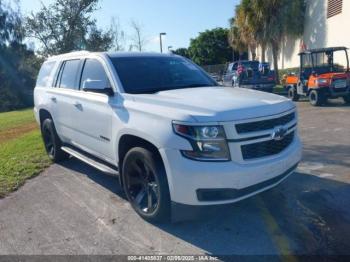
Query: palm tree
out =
(235, 39)
(266, 23)
(245, 27)
(270, 22)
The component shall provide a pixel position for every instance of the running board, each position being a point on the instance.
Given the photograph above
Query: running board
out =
(92, 162)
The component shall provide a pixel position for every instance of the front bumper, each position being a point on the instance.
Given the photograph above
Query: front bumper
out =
(338, 92)
(187, 177)
(181, 212)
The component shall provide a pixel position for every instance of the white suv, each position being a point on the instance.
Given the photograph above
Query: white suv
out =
(176, 139)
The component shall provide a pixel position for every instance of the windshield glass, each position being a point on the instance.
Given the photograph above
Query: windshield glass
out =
(329, 62)
(254, 65)
(153, 74)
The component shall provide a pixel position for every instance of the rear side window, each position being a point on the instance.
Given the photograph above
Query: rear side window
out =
(93, 70)
(45, 76)
(68, 75)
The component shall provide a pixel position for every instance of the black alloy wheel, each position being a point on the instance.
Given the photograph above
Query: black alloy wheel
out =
(52, 142)
(145, 185)
(48, 141)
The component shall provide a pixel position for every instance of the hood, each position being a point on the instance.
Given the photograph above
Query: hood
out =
(334, 75)
(215, 104)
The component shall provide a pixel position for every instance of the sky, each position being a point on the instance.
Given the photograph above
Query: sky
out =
(180, 19)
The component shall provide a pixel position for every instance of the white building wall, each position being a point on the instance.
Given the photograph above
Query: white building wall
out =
(319, 32)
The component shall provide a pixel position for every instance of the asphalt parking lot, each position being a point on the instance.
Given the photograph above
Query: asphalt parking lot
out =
(74, 209)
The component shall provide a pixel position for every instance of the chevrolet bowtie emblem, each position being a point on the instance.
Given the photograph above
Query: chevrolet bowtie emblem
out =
(279, 133)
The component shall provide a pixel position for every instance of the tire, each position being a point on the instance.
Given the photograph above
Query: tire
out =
(292, 94)
(52, 142)
(146, 185)
(316, 98)
(346, 99)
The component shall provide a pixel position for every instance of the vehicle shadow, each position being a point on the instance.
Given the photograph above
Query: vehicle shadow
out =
(330, 102)
(107, 181)
(305, 214)
(329, 155)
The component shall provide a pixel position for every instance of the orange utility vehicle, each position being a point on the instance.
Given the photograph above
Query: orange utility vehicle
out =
(324, 73)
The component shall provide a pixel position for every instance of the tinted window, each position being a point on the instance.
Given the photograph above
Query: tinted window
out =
(152, 74)
(93, 70)
(254, 65)
(69, 74)
(45, 74)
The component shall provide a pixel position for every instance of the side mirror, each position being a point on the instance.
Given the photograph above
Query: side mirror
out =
(97, 86)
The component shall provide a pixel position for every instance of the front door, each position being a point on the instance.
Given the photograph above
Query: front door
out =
(93, 114)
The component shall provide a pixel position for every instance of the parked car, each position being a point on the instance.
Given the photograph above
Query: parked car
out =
(216, 77)
(324, 74)
(255, 75)
(178, 141)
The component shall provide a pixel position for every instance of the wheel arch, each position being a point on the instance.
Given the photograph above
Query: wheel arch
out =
(129, 141)
(44, 114)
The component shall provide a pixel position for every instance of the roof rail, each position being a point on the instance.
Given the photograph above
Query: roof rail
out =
(78, 52)
(72, 53)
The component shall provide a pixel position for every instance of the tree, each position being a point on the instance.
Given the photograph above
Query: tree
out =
(138, 40)
(235, 39)
(246, 31)
(98, 40)
(281, 18)
(118, 35)
(265, 23)
(66, 25)
(10, 25)
(182, 52)
(18, 65)
(211, 47)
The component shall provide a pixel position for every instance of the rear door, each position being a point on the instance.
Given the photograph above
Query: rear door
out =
(62, 97)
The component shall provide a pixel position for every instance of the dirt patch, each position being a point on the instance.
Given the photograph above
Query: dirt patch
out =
(12, 133)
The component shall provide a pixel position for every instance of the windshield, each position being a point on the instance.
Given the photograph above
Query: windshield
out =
(254, 65)
(153, 74)
(327, 62)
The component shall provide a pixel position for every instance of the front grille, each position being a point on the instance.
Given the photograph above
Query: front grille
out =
(266, 148)
(339, 85)
(340, 90)
(264, 124)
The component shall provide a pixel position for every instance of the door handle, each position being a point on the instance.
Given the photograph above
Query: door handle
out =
(54, 99)
(78, 106)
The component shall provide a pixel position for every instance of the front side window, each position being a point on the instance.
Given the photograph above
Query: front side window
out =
(94, 71)
(45, 74)
(153, 74)
(68, 76)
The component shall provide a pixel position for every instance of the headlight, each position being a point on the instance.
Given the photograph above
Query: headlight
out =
(208, 142)
(322, 81)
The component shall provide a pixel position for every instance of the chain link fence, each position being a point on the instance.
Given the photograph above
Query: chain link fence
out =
(215, 69)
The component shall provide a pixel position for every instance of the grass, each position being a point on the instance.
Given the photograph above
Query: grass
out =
(279, 89)
(22, 154)
(15, 119)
